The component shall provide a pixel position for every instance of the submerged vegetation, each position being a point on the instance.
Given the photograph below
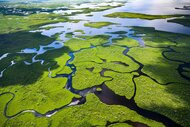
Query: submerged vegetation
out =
(61, 76)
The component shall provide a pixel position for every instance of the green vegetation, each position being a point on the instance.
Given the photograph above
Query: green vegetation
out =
(97, 24)
(10, 23)
(118, 32)
(48, 98)
(180, 54)
(151, 73)
(118, 77)
(58, 58)
(179, 43)
(27, 119)
(89, 10)
(15, 42)
(183, 21)
(172, 99)
(80, 31)
(155, 65)
(129, 42)
(164, 70)
(34, 95)
(69, 35)
(122, 83)
(139, 15)
(95, 113)
(3, 101)
(77, 44)
(92, 58)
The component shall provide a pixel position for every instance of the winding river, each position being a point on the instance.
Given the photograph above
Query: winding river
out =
(106, 95)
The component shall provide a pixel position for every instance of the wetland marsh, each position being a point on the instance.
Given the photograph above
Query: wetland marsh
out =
(94, 63)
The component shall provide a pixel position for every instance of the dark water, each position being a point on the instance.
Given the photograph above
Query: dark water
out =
(106, 95)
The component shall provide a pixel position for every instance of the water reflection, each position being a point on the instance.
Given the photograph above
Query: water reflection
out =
(148, 7)
(157, 6)
(121, 24)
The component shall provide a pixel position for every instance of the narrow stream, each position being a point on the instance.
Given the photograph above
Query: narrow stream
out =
(106, 95)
